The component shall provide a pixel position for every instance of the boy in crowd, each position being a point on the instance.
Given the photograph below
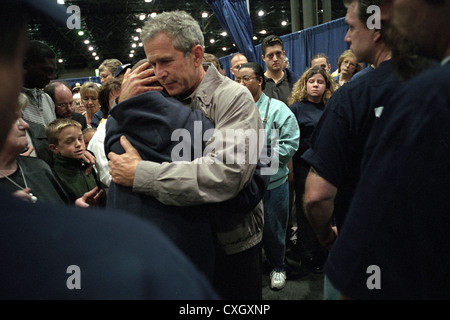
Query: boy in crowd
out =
(67, 143)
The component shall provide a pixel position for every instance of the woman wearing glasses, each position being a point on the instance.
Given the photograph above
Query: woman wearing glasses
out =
(283, 135)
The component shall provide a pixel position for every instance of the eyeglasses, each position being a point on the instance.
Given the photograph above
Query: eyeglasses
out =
(245, 79)
(351, 64)
(64, 105)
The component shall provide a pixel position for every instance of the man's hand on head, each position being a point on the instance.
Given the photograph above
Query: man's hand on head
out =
(138, 81)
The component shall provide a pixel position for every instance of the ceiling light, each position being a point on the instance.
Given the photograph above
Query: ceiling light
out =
(148, 1)
(86, 41)
(136, 38)
(224, 49)
(261, 13)
(96, 58)
(140, 44)
(204, 14)
(80, 33)
(138, 30)
(142, 17)
(131, 55)
(263, 32)
(60, 60)
(60, 1)
(212, 40)
(224, 34)
(284, 23)
(91, 48)
(94, 54)
(133, 45)
(255, 38)
(153, 14)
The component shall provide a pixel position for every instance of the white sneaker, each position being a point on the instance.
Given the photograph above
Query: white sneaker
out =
(277, 279)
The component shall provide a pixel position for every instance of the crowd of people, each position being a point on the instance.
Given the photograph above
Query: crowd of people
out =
(160, 171)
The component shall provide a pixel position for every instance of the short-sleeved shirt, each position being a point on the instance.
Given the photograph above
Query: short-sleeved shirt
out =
(338, 140)
(399, 220)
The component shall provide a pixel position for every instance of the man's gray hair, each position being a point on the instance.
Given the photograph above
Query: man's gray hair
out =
(184, 30)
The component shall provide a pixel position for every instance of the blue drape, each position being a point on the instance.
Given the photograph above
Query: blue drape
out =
(326, 38)
(234, 18)
(301, 46)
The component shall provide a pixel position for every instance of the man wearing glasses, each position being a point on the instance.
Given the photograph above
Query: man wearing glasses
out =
(63, 99)
(279, 81)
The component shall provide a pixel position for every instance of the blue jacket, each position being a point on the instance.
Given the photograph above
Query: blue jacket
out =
(148, 121)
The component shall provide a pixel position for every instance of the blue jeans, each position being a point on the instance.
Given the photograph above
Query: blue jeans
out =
(329, 291)
(276, 214)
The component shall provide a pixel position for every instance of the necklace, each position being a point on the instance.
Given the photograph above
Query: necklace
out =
(33, 197)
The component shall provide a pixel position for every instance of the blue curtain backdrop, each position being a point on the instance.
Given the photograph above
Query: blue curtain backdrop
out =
(301, 46)
(234, 18)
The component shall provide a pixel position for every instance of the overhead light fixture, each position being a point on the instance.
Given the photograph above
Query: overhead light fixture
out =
(91, 48)
(224, 34)
(81, 33)
(142, 17)
(205, 15)
(153, 14)
(212, 40)
(138, 30)
(96, 58)
(261, 13)
(60, 60)
(86, 41)
(94, 53)
(60, 1)
(224, 48)
(263, 32)
(148, 1)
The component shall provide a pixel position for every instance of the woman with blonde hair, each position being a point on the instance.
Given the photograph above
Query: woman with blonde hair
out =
(348, 66)
(89, 99)
(307, 101)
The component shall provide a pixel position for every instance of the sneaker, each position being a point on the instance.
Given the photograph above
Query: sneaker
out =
(277, 279)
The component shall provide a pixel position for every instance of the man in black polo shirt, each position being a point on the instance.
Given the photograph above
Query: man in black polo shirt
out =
(394, 244)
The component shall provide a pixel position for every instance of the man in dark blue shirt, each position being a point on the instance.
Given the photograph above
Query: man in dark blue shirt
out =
(339, 138)
(394, 244)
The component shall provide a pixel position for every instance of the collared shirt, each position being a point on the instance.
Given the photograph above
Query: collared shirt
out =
(40, 109)
(280, 90)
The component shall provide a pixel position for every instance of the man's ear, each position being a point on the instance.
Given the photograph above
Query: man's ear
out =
(197, 51)
(54, 148)
(263, 58)
(377, 35)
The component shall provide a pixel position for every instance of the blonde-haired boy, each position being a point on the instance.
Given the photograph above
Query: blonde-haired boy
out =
(67, 143)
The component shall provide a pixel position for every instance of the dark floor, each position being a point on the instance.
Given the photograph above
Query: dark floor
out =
(301, 284)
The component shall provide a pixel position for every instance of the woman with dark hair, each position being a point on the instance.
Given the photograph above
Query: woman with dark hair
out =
(282, 135)
(307, 101)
